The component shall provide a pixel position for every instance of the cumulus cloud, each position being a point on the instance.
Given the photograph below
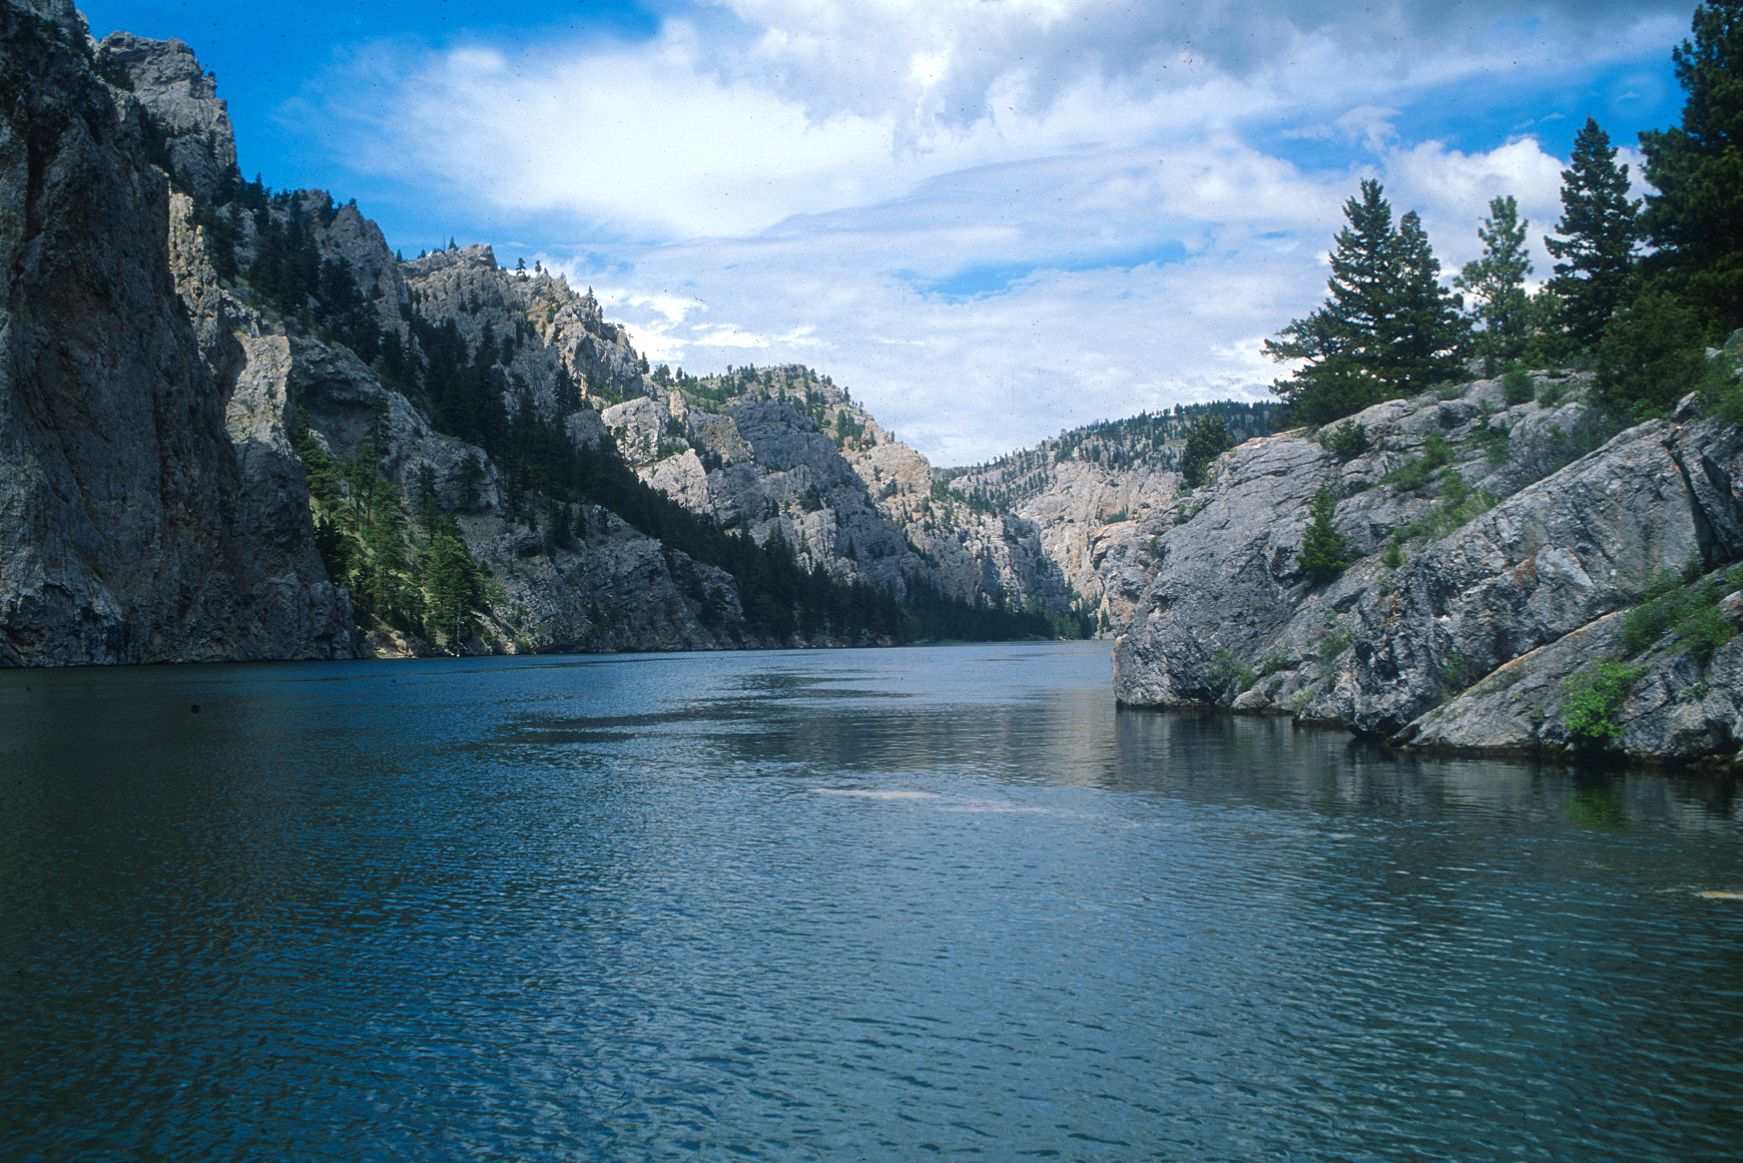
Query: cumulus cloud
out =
(1058, 341)
(990, 218)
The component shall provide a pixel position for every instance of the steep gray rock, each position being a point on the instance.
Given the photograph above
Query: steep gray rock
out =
(1675, 708)
(127, 526)
(770, 451)
(182, 104)
(1493, 574)
(1090, 493)
(1545, 562)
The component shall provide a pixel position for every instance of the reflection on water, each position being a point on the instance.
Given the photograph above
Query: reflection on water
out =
(832, 904)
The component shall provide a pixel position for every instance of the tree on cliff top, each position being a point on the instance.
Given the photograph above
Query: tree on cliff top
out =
(1387, 329)
(1696, 218)
(1497, 282)
(1598, 229)
(1208, 440)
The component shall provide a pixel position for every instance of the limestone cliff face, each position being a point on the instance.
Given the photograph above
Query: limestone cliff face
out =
(181, 100)
(131, 529)
(792, 453)
(1501, 571)
(778, 451)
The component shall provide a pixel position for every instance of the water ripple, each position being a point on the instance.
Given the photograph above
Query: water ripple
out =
(827, 905)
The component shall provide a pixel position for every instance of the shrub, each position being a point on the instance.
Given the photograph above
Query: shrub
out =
(1591, 700)
(1324, 552)
(1208, 440)
(1551, 393)
(1722, 383)
(1516, 386)
(1336, 641)
(1703, 631)
(1689, 612)
(1345, 442)
(1413, 474)
(1497, 445)
(1229, 677)
(1652, 353)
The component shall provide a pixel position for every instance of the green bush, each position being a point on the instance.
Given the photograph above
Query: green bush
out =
(1551, 393)
(1652, 353)
(1415, 473)
(1345, 442)
(1591, 701)
(1689, 612)
(1336, 641)
(1722, 383)
(1497, 445)
(1324, 552)
(1516, 386)
(1229, 677)
(1208, 440)
(1703, 631)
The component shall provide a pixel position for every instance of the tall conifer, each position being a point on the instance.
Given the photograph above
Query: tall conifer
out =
(1696, 218)
(1426, 334)
(1387, 328)
(1497, 282)
(1598, 230)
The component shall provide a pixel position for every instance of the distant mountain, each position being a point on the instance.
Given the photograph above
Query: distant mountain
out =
(1086, 491)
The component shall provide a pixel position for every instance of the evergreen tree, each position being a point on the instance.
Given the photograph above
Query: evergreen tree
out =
(1497, 282)
(1337, 341)
(454, 587)
(425, 502)
(1696, 218)
(1324, 552)
(1387, 329)
(1208, 440)
(1598, 229)
(1426, 335)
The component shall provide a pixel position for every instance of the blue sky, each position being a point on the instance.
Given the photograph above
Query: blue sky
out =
(992, 219)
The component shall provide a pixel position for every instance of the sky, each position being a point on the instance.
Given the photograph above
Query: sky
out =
(991, 220)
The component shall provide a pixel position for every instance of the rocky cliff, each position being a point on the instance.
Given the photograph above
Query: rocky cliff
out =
(1491, 559)
(1089, 491)
(136, 524)
(233, 424)
(772, 452)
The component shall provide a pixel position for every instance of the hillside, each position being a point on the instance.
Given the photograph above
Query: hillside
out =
(1513, 575)
(1088, 490)
(236, 425)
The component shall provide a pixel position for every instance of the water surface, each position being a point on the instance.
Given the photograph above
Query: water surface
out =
(868, 904)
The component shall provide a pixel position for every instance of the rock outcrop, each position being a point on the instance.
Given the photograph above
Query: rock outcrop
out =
(1089, 492)
(775, 451)
(1476, 592)
(131, 529)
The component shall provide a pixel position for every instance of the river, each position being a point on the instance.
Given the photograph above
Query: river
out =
(831, 904)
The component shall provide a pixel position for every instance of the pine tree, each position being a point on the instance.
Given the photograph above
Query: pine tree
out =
(1598, 229)
(1497, 282)
(1208, 440)
(454, 588)
(1324, 552)
(1696, 218)
(1427, 335)
(425, 502)
(1387, 329)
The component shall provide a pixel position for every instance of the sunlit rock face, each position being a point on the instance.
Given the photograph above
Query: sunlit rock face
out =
(1469, 606)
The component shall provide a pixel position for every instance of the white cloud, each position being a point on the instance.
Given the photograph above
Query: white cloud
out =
(1046, 347)
(989, 219)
